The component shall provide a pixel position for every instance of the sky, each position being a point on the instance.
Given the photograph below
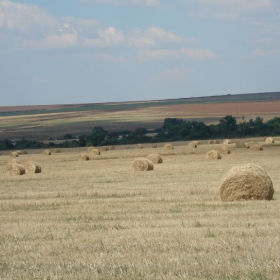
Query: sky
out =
(94, 51)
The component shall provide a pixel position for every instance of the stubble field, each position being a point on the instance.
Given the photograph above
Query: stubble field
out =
(99, 219)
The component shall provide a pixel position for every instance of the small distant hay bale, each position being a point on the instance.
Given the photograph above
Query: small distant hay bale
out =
(83, 157)
(127, 148)
(19, 152)
(155, 158)
(227, 141)
(142, 164)
(0, 153)
(14, 154)
(256, 147)
(193, 144)
(269, 140)
(14, 169)
(112, 148)
(94, 152)
(47, 152)
(213, 155)
(57, 150)
(24, 152)
(104, 148)
(225, 150)
(90, 148)
(154, 146)
(168, 146)
(246, 182)
(239, 144)
(217, 142)
(139, 146)
(211, 142)
(32, 167)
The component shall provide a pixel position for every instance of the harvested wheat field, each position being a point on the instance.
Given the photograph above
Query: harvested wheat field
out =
(99, 219)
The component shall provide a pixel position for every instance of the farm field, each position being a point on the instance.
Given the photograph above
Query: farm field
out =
(99, 219)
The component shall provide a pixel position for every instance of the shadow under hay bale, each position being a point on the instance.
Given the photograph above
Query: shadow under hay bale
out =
(155, 158)
(32, 167)
(246, 182)
(213, 155)
(227, 141)
(239, 144)
(83, 157)
(168, 146)
(57, 150)
(224, 150)
(269, 140)
(14, 169)
(47, 152)
(142, 164)
(94, 152)
(14, 154)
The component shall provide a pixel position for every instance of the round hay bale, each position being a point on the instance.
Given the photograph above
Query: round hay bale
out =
(31, 166)
(155, 158)
(24, 152)
(14, 154)
(239, 144)
(225, 150)
(14, 169)
(193, 144)
(213, 155)
(142, 164)
(256, 147)
(47, 152)
(104, 148)
(90, 148)
(217, 142)
(246, 182)
(249, 144)
(227, 141)
(139, 146)
(95, 152)
(83, 157)
(269, 140)
(57, 150)
(168, 146)
(211, 142)
(127, 148)
(19, 152)
(154, 146)
(112, 148)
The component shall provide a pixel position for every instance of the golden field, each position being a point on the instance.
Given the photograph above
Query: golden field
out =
(99, 219)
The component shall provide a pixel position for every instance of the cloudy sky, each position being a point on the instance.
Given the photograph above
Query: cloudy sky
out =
(84, 51)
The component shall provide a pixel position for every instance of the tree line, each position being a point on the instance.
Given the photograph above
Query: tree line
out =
(173, 129)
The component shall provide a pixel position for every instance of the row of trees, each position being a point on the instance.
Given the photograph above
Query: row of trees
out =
(173, 129)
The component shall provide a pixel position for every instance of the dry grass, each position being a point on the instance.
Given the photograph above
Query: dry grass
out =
(100, 220)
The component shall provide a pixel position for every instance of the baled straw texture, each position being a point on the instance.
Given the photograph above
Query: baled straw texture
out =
(90, 148)
(213, 155)
(249, 144)
(0, 153)
(239, 144)
(19, 152)
(83, 156)
(94, 151)
(168, 146)
(269, 140)
(217, 142)
(139, 146)
(24, 152)
(154, 146)
(57, 150)
(14, 160)
(193, 144)
(14, 169)
(142, 164)
(104, 148)
(112, 148)
(256, 147)
(155, 158)
(47, 152)
(224, 150)
(14, 154)
(246, 182)
(227, 141)
(211, 142)
(31, 166)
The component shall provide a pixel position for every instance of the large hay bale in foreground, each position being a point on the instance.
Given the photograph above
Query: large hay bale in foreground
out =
(57, 150)
(155, 158)
(269, 140)
(83, 157)
(168, 146)
(14, 169)
(94, 152)
(193, 144)
(239, 144)
(14, 154)
(31, 166)
(256, 147)
(225, 150)
(142, 164)
(246, 182)
(227, 141)
(47, 152)
(213, 155)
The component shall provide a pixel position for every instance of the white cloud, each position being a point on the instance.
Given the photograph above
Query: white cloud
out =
(196, 54)
(175, 75)
(149, 3)
(259, 52)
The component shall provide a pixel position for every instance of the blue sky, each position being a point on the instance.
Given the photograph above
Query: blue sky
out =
(84, 51)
